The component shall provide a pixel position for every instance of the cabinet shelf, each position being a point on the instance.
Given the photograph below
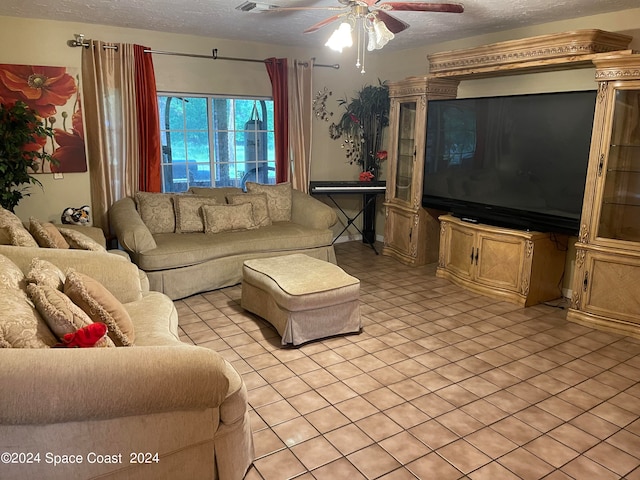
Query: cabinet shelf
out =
(622, 204)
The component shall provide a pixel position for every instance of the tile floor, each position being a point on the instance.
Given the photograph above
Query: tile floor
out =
(442, 384)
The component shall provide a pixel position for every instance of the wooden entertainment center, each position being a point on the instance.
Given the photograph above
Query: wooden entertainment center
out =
(526, 267)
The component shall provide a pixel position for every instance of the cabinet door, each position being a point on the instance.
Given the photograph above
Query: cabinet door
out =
(458, 249)
(406, 150)
(620, 200)
(399, 234)
(499, 260)
(611, 286)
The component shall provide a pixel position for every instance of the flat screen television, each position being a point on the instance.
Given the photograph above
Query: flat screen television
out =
(517, 161)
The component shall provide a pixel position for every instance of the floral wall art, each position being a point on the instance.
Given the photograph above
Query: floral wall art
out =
(53, 93)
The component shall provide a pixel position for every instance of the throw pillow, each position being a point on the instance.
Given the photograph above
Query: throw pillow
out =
(278, 199)
(189, 213)
(10, 274)
(219, 193)
(46, 234)
(258, 203)
(45, 273)
(101, 306)
(228, 218)
(21, 326)
(93, 335)
(156, 211)
(14, 232)
(80, 241)
(55, 235)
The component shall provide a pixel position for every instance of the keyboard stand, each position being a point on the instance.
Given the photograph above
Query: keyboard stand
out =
(368, 190)
(367, 202)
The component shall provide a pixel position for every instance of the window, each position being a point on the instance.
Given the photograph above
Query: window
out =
(212, 141)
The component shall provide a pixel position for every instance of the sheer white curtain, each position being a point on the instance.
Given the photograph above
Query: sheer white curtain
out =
(108, 76)
(300, 120)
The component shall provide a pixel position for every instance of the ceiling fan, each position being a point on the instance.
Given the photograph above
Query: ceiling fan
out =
(362, 9)
(368, 19)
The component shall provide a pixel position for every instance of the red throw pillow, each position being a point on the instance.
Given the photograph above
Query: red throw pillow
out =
(84, 337)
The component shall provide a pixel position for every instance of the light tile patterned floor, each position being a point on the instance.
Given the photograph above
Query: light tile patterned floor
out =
(442, 384)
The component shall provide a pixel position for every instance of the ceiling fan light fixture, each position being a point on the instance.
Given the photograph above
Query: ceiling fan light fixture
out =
(379, 35)
(340, 38)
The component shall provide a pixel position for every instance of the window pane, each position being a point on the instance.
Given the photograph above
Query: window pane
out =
(216, 141)
(196, 113)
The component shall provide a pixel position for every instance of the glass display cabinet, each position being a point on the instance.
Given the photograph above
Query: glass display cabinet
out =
(411, 233)
(606, 282)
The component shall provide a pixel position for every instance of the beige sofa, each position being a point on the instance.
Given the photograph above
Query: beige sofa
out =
(183, 264)
(159, 409)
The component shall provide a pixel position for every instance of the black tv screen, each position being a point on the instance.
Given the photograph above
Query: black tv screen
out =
(516, 161)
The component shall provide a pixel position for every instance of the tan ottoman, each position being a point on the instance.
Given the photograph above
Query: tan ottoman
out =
(302, 297)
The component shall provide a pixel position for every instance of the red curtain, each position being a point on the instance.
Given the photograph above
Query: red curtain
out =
(150, 179)
(277, 69)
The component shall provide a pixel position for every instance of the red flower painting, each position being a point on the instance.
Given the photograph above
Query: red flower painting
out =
(52, 92)
(70, 154)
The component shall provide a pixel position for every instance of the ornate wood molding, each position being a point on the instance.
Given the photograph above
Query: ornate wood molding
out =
(544, 52)
(431, 87)
(617, 67)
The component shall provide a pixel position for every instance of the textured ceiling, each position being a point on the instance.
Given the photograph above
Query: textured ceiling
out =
(220, 19)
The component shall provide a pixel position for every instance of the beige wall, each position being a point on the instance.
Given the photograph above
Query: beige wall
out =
(43, 42)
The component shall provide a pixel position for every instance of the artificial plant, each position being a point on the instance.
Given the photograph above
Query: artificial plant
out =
(22, 139)
(361, 127)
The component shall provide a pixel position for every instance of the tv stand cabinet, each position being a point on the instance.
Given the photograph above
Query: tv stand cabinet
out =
(517, 266)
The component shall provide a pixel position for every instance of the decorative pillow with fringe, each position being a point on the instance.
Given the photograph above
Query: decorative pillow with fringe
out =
(80, 241)
(258, 203)
(45, 273)
(279, 198)
(61, 314)
(13, 232)
(46, 234)
(101, 306)
(21, 326)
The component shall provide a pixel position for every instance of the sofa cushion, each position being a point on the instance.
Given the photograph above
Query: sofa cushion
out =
(46, 234)
(45, 273)
(100, 305)
(228, 218)
(21, 326)
(156, 211)
(175, 250)
(80, 241)
(13, 232)
(189, 212)
(10, 274)
(60, 313)
(278, 198)
(259, 206)
(219, 193)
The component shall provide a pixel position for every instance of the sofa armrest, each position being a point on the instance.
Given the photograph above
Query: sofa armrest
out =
(132, 233)
(67, 385)
(311, 212)
(116, 273)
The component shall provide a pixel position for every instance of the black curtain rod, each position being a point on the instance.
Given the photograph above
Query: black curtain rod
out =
(79, 42)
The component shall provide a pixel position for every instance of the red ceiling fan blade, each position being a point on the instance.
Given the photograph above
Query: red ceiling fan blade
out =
(324, 22)
(395, 25)
(423, 7)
